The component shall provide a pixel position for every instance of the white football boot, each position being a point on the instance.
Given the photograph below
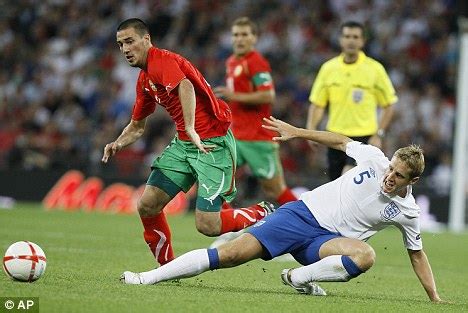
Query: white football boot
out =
(308, 289)
(130, 278)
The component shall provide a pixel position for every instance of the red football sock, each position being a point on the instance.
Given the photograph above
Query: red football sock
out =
(157, 235)
(237, 219)
(286, 196)
(226, 206)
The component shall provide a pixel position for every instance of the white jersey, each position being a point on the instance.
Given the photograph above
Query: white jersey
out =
(355, 206)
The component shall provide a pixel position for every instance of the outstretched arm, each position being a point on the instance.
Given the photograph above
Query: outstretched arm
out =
(422, 268)
(131, 133)
(287, 131)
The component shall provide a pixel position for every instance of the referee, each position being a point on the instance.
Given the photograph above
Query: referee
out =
(353, 85)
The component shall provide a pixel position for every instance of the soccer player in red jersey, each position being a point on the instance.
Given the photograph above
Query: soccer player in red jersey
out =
(203, 151)
(250, 93)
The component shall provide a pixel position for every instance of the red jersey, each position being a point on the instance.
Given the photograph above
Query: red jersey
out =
(155, 85)
(249, 73)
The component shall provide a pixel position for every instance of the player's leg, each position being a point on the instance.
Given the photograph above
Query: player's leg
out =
(341, 259)
(336, 162)
(228, 236)
(210, 220)
(171, 174)
(264, 161)
(193, 263)
(350, 162)
(275, 188)
(239, 251)
(157, 233)
(360, 252)
(279, 233)
(216, 184)
(346, 168)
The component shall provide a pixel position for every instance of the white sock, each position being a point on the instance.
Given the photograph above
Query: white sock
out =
(327, 269)
(187, 265)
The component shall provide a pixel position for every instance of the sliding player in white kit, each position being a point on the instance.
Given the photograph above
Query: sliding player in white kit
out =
(327, 228)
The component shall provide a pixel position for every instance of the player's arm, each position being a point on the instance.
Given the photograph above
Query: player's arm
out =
(314, 116)
(131, 133)
(250, 98)
(287, 131)
(264, 91)
(318, 98)
(422, 268)
(385, 119)
(188, 103)
(386, 97)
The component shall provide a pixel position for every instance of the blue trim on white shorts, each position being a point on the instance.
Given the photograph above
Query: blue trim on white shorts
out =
(292, 229)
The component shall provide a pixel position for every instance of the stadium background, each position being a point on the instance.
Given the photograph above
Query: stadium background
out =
(65, 90)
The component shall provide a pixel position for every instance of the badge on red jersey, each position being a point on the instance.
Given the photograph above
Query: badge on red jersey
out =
(238, 70)
(153, 87)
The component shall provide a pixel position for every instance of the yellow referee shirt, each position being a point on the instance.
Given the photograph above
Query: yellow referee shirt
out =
(353, 92)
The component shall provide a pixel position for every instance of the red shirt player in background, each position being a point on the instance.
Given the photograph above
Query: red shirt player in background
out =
(250, 93)
(203, 151)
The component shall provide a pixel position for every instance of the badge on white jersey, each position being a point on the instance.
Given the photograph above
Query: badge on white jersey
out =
(390, 211)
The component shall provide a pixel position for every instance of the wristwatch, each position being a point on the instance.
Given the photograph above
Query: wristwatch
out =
(381, 133)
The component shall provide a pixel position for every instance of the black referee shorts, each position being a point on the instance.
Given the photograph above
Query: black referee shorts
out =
(337, 159)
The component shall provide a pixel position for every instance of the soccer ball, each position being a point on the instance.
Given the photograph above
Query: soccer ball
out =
(24, 261)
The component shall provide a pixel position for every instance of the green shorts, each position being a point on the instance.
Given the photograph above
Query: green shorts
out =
(182, 164)
(262, 157)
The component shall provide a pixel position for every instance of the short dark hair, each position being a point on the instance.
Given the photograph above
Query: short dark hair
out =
(245, 21)
(352, 24)
(140, 27)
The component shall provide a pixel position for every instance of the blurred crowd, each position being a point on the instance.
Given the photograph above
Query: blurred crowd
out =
(65, 90)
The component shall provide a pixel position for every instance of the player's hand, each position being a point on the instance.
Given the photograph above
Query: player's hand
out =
(110, 150)
(285, 130)
(223, 92)
(195, 138)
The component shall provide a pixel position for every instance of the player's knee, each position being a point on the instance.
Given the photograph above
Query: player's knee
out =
(272, 193)
(273, 189)
(146, 208)
(207, 230)
(207, 227)
(366, 257)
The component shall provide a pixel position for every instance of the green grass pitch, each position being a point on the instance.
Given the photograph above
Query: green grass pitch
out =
(87, 252)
